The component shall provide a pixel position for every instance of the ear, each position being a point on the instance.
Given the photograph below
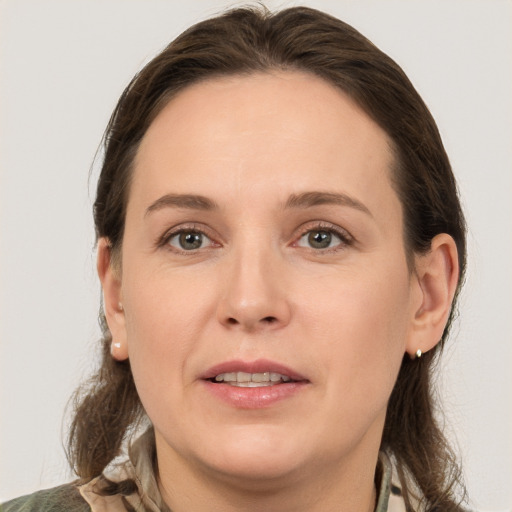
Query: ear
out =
(110, 277)
(437, 274)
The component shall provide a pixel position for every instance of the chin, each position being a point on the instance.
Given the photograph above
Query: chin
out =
(255, 454)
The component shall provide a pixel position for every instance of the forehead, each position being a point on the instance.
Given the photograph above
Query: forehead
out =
(291, 129)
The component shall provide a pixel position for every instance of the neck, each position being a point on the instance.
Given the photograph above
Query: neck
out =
(346, 486)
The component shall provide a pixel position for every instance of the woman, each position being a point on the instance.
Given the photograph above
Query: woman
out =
(280, 246)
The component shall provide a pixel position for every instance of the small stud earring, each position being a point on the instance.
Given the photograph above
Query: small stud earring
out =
(418, 353)
(114, 348)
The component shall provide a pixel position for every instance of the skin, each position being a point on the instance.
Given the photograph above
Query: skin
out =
(341, 316)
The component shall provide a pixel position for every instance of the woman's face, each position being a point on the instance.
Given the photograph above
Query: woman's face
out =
(264, 242)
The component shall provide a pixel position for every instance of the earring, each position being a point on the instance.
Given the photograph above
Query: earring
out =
(416, 355)
(114, 347)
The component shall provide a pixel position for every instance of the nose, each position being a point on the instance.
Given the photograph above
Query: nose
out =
(254, 294)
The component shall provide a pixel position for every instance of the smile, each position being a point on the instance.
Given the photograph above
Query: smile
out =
(253, 384)
(252, 380)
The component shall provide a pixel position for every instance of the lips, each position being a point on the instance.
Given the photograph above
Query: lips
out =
(255, 371)
(253, 385)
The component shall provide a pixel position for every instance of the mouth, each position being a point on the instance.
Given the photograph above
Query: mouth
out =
(253, 385)
(251, 380)
(252, 374)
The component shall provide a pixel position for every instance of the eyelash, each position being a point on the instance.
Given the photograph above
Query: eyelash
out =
(192, 228)
(346, 240)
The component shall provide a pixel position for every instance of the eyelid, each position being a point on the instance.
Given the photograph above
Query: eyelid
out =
(163, 240)
(346, 238)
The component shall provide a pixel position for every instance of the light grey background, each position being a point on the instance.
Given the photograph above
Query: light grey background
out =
(63, 65)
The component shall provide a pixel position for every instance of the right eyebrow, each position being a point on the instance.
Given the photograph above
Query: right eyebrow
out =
(188, 201)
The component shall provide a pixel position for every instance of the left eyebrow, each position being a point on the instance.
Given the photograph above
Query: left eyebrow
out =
(187, 201)
(314, 198)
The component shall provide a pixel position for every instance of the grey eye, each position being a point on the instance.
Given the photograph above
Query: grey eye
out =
(319, 239)
(188, 240)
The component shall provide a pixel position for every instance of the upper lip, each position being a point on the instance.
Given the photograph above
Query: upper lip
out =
(257, 366)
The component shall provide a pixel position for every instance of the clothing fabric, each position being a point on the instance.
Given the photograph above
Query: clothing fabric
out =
(72, 498)
(87, 498)
(389, 496)
(59, 499)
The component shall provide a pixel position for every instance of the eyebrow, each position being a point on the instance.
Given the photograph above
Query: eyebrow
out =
(295, 201)
(187, 201)
(310, 199)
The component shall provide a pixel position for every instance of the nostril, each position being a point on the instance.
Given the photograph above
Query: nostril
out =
(267, 320)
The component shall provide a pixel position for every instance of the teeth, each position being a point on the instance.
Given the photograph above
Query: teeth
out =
(243, 377)
(260, 377)
(252, 380)
(226, 377)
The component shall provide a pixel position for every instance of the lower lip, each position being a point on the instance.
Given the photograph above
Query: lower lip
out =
(254, 398)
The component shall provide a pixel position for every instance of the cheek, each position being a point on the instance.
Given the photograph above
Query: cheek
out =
(165, 315)
(368, 304)
(360, 323)
(163, 304)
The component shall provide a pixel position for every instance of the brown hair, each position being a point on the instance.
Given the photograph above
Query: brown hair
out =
(249, 40)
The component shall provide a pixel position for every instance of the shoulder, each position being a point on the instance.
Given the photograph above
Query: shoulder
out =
(65, 498)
